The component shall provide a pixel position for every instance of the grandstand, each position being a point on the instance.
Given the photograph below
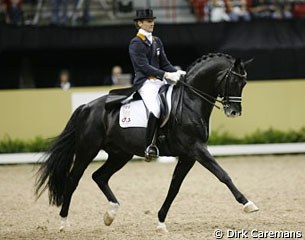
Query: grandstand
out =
(35, 51)
(105, 12)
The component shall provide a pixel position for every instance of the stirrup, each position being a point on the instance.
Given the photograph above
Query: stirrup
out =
(151, 152)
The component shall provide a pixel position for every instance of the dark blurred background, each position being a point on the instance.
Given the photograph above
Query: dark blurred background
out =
(86, 38)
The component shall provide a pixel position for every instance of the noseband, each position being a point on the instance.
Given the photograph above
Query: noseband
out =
(227, 99)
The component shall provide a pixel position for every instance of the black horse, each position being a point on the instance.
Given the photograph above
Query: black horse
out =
(92, 128)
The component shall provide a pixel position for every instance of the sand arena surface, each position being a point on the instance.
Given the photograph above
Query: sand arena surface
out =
(275, 183)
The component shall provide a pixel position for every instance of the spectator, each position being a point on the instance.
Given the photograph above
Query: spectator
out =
(238, 10)
(13, 11)
(218, 11)
(262, 9)
(299, 10)
(64, 79)
(114, 78)
(287, 10)
(282, 10)
(2, 12)
(59, 16)
(86, 12)
(29, 11)
(86, 16)
(200, 8)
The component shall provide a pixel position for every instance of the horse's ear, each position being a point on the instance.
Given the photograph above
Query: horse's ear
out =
(237, 62)
(248, 61)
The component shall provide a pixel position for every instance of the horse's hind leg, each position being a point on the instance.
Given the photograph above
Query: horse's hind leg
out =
(82, 159)
(206, 159)
(113, 164)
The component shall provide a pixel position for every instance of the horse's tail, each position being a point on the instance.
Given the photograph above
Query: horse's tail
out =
(54, 171)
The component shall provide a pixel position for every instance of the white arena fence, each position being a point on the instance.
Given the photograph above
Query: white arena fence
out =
(223, 150)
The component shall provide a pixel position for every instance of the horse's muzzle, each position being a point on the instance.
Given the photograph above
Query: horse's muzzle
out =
(232, 111)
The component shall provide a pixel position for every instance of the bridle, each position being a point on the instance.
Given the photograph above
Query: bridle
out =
(227, 99)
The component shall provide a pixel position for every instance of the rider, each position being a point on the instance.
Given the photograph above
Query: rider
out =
(152, 70)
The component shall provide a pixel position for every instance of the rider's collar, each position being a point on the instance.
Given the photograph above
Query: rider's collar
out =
(146, 34)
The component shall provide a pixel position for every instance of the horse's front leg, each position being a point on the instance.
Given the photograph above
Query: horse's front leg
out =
(182, 168)
(207, 160)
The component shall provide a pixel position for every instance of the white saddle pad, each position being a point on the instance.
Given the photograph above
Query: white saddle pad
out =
(134, 114)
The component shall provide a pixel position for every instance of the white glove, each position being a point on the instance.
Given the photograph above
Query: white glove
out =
(182, 72)
(172, 77)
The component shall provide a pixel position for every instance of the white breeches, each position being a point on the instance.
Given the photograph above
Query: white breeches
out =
(149, 94)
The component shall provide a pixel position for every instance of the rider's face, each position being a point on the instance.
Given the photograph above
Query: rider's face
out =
(147, 25)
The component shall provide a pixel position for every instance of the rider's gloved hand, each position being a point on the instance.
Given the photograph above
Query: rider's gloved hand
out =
(172, 77)
(182, 72)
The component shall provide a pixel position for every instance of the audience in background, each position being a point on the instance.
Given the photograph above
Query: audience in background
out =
(200, 9)
(86, 16)
(271, 9)
(113, 79)
(298, 10)
(80, 13)
(262, 9)
(59, 12)
(64, 79)
(218, 11)
(238, 10)
(2, 12)
(283, 10)
(245, 10)
(83, 17)
(13, 11)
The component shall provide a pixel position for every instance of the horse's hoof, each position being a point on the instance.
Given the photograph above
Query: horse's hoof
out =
(161, 228)
(111, 213)
(250, 207)
(108, 218)
(63, 224)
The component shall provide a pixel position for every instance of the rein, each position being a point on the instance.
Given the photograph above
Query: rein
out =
(210, 99)
(203, 95)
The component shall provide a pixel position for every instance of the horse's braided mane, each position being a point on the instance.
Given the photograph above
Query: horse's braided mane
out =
(208, 57)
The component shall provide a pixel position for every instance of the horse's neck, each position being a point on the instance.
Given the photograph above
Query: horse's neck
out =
(203, 79)
(198, 107)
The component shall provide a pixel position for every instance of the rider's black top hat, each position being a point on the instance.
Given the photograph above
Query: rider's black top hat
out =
(144, 14)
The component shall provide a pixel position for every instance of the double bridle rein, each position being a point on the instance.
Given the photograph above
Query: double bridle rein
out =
(226, 100)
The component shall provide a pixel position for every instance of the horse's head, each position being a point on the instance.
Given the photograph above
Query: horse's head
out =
(231, 87)
(218, 75)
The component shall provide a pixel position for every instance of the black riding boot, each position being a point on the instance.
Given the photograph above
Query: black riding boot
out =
(152, 150)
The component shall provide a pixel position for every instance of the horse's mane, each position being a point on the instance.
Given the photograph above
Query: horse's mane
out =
(207, 57)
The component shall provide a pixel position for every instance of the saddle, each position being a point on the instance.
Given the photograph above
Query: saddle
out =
(118, 97)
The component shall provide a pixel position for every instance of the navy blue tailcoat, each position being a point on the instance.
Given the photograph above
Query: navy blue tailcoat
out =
(148, 59)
